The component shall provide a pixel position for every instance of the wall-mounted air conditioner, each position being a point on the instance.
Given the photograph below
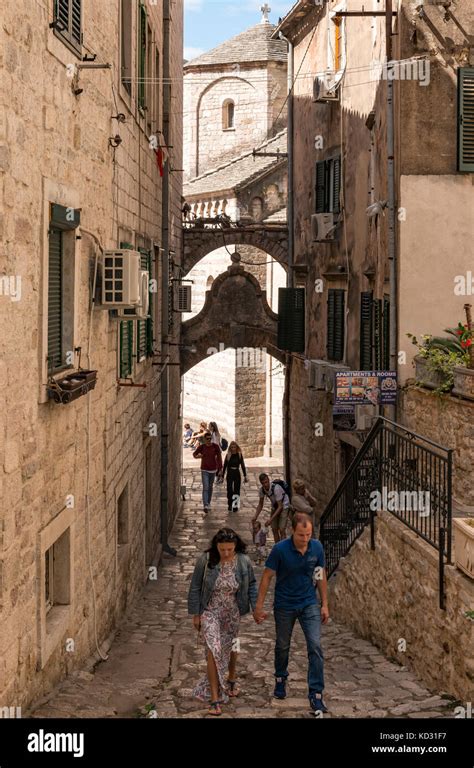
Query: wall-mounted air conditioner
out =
(140, 310)
(322, 226)
(325, 88)
(330, 374)
(183, 298)
(316, 374)
(121, 279)
(365, 415)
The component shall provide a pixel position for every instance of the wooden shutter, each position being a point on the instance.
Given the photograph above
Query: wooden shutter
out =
(386, 335)
(336, 184)
(55, 304)
(126, 348)
(62, 13)
(335, 324)
(466, 119)
(76, 23)
(321, 187)
(291, 319)
(149, 322)
(142, 324)
(366, 330)
(378, 336)
(141, 56)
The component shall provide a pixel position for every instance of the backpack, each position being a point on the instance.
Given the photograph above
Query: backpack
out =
(224, 444)
(283, 484)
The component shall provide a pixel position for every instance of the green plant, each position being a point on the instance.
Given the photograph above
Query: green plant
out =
(442, 355)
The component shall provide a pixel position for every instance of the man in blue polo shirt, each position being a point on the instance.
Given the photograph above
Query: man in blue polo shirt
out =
(298, 563)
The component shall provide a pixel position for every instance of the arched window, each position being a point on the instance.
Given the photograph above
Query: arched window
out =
(256, 208)
(228, 115)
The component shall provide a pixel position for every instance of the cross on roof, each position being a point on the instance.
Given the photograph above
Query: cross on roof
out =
(265, 9)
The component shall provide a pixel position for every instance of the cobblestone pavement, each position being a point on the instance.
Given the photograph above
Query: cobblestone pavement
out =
(155, 661)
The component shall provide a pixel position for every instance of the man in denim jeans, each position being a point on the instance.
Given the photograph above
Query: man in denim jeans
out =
(211, 465)
(298, 563)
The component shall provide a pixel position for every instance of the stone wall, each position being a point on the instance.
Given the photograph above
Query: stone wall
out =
(93, 448)
(448, 421)
(391, 594)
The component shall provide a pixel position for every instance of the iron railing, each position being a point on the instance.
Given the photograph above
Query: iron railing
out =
(400, 472)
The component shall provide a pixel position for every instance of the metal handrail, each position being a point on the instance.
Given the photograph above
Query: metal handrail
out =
(397, 463)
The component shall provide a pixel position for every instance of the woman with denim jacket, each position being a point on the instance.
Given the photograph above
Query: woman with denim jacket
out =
(223, 588)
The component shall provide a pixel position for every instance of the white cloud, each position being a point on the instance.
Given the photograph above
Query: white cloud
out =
(192, 53)
(193, 5)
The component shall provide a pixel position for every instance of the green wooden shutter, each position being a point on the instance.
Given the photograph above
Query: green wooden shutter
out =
(378, 336)
(386, 335)
(335, 324)
(366, 331)
(62, 13)
(466, 119)
(141, 56)
(55, 302)
(336, 185)
(291, 319)
(142, 324)
(126, 348)
(321, 187)
(149, 321)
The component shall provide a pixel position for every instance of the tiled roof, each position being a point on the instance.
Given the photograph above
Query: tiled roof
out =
(238, 171)
(255, 44)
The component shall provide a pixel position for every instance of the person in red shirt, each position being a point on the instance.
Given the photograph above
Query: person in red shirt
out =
(211, 465)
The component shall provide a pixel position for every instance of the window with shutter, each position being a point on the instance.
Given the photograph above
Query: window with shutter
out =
(68, 14)
(149, 321)
(126, 45)
(328, 185)
(142, 325)
(291, 319)
(126, 348)
(386, 335)
(366, 330)
(378, 337)
(335, 324)
(55, 303)
(142, 51)
(466, 119)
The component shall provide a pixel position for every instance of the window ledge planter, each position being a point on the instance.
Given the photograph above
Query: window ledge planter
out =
(464, 382)
(72, 386)
(464, 544)
(425, 375)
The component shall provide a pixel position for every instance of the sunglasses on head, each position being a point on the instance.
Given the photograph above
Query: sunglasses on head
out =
(221, 537)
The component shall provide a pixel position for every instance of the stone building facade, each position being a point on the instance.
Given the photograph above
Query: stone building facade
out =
(234, 102)
(83, 514)
(340, 167)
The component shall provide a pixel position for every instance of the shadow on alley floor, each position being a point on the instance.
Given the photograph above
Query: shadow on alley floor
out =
(155, 661)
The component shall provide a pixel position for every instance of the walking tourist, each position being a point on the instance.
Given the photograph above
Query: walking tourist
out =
(223, 588)
(278, 494)
(211, 465)
(234, 460)
(298, 564)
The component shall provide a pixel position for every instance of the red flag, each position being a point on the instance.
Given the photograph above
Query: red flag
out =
(160, 159)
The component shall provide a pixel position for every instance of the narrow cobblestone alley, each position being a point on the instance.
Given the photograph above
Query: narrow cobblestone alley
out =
(155, 661)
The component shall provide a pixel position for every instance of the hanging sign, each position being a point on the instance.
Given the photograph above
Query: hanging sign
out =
(364, 387)
(343, 418)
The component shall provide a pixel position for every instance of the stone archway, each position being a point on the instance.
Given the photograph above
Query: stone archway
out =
(199, 241)
(235, 314)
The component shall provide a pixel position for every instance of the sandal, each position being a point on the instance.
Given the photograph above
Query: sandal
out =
(215, 708)
(234, 689)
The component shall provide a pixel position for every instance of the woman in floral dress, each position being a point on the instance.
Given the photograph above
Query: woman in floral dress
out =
(223, 588)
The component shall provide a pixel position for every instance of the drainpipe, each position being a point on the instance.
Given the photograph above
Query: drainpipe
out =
(165, 388)
(392, 252)
(290, 281)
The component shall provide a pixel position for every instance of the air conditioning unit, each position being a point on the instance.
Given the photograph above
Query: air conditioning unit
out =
(141, 310)
(325, 88)
(330, 374)
(121, 278)
(322, 226)
(365, 415)
(183, 298)
(316, 374)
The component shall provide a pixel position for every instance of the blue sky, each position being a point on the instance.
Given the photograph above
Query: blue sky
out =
(209, 22)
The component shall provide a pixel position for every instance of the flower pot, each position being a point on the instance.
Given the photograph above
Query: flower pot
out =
(425, 375)
(464, 382)
(463, 528)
